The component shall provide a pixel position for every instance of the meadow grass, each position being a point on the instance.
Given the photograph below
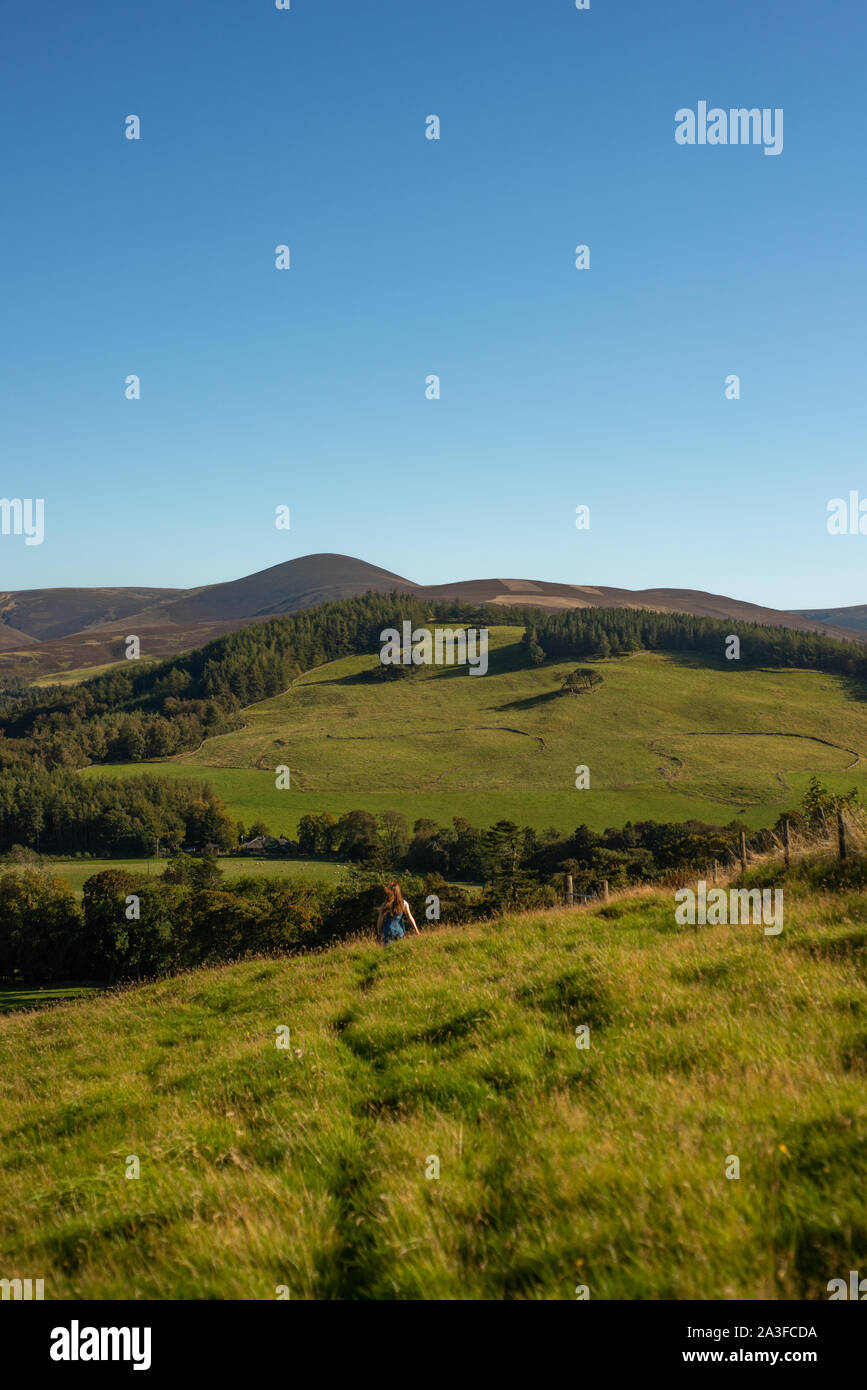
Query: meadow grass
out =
(77, 871)
(14, 997)
(666, 738)
(606, 1167)
(76, 675)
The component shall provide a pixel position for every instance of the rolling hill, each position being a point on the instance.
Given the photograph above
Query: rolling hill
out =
(56, 630)
(853, 618)
(666, 737)
(43, 614)
(311, 1169)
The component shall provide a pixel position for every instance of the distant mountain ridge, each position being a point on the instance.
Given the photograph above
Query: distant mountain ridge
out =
(64, 628)
(45, 613)
(854, 617)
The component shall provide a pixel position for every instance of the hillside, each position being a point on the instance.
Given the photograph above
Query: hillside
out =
(77, 628)
(666, 737)
(43, 614)
(306, 1167)
(285, 588)
(853, 618)
(14, 641)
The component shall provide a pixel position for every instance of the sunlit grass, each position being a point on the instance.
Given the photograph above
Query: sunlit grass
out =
(306, 1167)
(666, 737)
(77, 871)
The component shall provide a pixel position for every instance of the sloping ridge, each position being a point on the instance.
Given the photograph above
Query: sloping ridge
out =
(284, 588)
(90, 618)
(542, 594)
(42, 614)
(852, 617)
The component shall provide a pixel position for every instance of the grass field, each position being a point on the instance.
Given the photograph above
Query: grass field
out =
(76, 871)
(665, 738)
(14, 997)
(86, 673)
(558, 1167)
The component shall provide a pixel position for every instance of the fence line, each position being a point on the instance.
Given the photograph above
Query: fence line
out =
(840, 836)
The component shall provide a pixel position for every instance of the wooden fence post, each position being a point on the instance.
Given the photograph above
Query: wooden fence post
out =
(743, 852)
(841, 835)
(786, 841)
(570, 895)
(605, 890)
(715, 869)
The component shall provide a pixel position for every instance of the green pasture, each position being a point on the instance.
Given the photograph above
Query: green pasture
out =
(432, 1131)
(665, 738)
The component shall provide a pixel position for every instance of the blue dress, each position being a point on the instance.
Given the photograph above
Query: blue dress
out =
(392, 928)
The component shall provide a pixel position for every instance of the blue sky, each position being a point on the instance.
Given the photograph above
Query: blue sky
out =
(559, 387)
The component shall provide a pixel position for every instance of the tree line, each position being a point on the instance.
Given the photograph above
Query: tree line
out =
(514, 862)
(520, 866)
(129, 927)
(61, 812)
(136, 712)
(603, 632)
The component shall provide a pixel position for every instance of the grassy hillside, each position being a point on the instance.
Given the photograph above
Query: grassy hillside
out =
(665, 738)
(306, 1167)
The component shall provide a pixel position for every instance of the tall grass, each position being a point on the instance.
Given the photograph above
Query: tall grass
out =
(558, 1167)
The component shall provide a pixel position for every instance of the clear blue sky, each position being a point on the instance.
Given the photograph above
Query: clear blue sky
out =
(603, 387)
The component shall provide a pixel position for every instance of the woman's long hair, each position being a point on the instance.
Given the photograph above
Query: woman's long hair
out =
(394, 899)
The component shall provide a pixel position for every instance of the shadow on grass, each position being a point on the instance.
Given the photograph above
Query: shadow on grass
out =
(15, 998)
(535, 701)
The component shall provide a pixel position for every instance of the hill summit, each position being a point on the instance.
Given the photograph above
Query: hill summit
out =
(62, 628)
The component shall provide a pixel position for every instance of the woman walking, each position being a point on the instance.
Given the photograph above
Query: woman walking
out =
(391, 915)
